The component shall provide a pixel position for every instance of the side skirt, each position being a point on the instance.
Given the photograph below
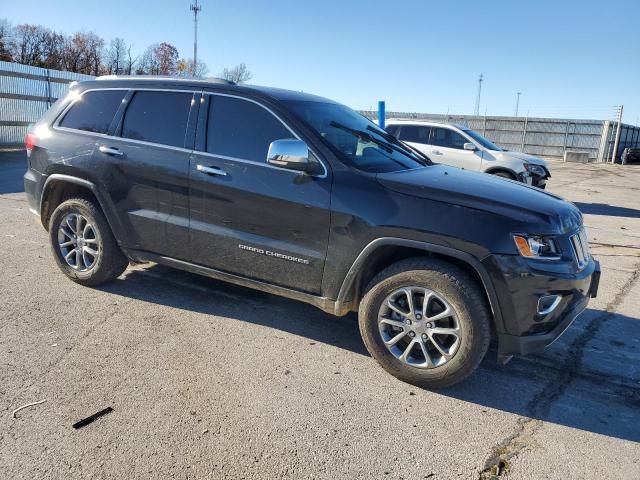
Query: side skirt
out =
(325, 304)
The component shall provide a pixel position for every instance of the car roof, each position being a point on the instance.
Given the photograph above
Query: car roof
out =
(140, 81)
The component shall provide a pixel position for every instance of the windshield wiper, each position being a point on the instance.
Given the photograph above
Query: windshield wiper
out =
(363, 136)
(387, 146)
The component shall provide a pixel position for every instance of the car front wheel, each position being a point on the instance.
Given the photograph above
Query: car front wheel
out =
(426, 322)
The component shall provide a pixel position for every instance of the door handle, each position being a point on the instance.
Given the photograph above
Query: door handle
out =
(111, 151)
(436, 152)
(210, 170)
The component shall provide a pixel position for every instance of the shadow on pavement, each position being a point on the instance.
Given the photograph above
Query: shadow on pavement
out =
(12, 168)
(585, 403)
(609, 210)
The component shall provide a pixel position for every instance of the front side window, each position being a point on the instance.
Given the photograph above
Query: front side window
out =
(415, 133)
(355, 139)
(241, 129)
(157, 117)
(93, 111)
(443, 137)
(485, 142)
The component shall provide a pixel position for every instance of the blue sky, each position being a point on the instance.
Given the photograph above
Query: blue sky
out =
(570, 59)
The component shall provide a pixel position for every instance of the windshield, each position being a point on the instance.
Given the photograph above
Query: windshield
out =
(356, 139)
(486, 143)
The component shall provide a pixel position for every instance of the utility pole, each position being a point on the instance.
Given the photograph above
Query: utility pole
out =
(515, 114)
(476, 110)
(617, 142)
(195, 8)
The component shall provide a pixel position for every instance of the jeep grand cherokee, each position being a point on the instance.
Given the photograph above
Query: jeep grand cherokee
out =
(300, 196)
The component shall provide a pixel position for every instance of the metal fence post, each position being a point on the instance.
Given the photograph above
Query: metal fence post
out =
(566, 135)
(524, 132)
(48, 79)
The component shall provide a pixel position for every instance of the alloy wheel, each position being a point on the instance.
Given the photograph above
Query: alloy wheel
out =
(419, 327)
(79, 242)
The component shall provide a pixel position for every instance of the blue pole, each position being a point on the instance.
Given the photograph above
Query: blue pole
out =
(381, 114)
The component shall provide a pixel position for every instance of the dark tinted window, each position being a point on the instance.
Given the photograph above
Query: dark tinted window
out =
(414, 133)
(443, 137)
(393, 130)
(241, 129)
(93, 111)
(158, 117)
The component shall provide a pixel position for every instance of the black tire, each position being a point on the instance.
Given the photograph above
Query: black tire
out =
(109, 264)
(460, 291)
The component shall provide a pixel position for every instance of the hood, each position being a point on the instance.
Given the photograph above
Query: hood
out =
(480, 191)
(522, 156)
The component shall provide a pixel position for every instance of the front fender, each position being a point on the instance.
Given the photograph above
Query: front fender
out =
(345, 295)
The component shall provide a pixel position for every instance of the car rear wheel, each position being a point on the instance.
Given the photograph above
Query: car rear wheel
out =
(83, 245)
(426, 322)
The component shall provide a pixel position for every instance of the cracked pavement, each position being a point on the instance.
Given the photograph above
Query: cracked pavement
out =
(209, 380)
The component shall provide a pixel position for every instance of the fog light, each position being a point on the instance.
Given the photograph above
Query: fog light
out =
(548, 304)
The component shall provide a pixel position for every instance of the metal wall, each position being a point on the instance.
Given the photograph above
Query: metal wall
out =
(545, 137)
(25, 94)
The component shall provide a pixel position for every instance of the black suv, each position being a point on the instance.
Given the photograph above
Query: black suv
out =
(303, 197)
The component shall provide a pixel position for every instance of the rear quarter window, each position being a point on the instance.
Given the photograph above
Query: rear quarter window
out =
(93, 111)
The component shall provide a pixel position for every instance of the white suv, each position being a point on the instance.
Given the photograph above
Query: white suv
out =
(464, 148)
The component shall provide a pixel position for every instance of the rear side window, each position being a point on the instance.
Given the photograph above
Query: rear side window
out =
(443, 137)
(157, 117)
(414, 133)
(241, 129)
(93, 111)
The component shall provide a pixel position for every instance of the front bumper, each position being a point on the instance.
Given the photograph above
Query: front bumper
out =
(535, 180)
(520, 287)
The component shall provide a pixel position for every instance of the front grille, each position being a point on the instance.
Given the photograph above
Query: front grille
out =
(580, 245)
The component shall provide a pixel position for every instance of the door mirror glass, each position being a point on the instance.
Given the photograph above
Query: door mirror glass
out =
(470, 146)
(292, 154)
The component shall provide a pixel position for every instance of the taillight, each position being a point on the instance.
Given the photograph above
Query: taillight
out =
(29, 141)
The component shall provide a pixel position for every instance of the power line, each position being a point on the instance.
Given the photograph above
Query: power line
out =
(476, 110)
(195, 8)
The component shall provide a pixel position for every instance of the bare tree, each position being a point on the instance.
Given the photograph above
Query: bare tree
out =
(53, 51)
(148, 65)
(159, 59)
(6, 37)
(238, 74)
(185, 69)
(115, 58)
(83, 53)
(28, 44)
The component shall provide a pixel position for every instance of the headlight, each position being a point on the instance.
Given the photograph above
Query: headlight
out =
(537, 247)
(535, 169)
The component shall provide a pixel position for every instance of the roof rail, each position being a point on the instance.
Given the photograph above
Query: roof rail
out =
(165, 78)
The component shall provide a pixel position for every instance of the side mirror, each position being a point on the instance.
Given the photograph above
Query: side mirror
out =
(470, 146)
(292, 154)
